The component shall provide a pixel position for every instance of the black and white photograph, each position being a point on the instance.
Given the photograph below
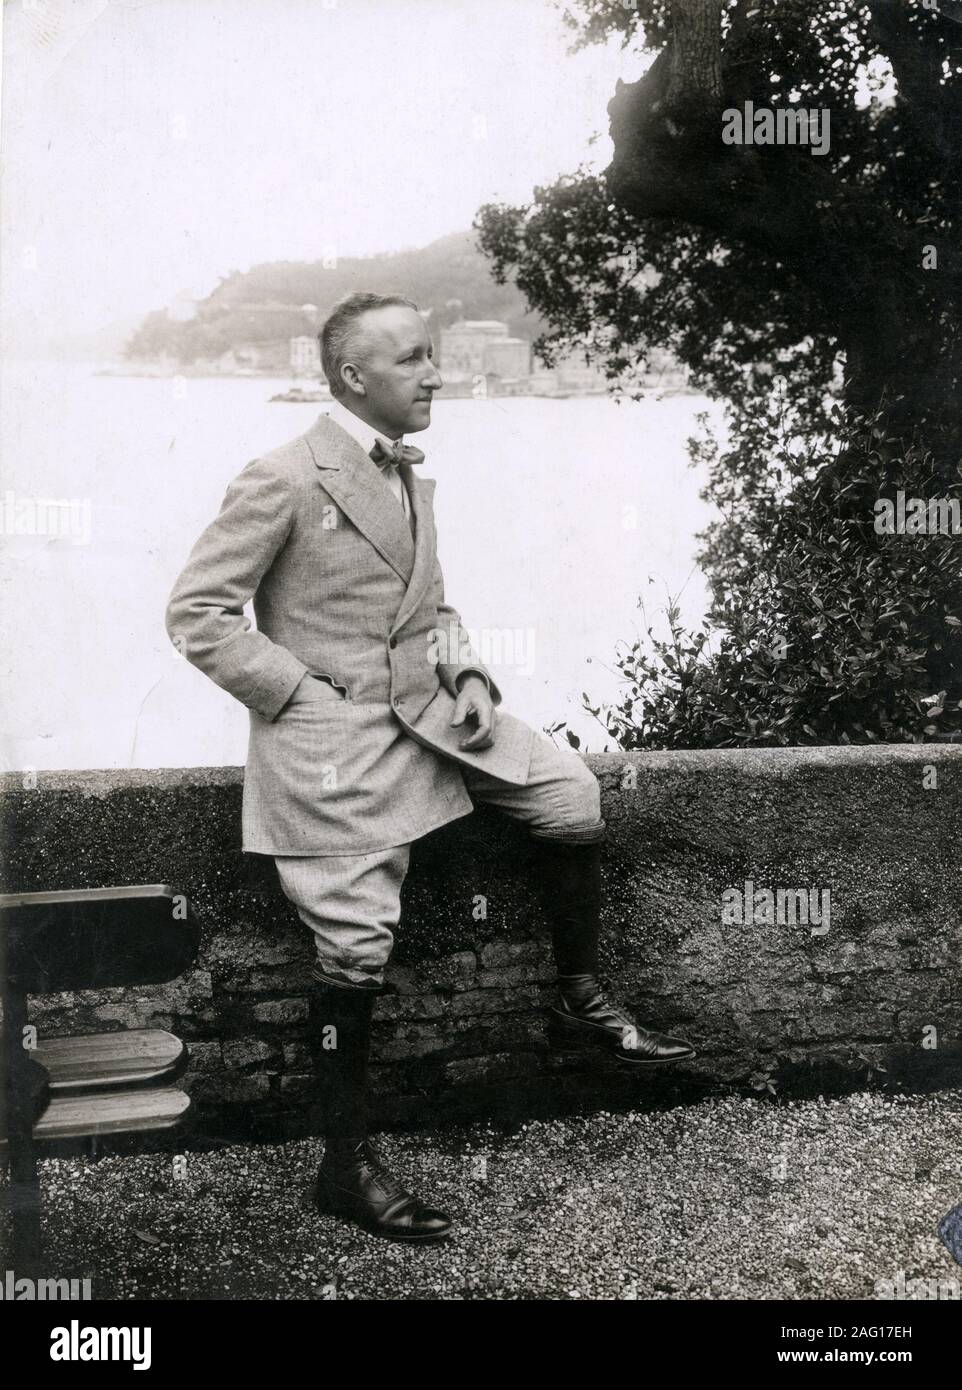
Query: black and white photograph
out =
(481, 669)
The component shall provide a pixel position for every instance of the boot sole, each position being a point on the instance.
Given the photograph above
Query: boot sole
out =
(563, 1039)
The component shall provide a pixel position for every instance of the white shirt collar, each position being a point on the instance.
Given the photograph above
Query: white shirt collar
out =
(357, 428)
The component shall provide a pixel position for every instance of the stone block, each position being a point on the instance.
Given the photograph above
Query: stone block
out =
(248, 1052)
(281, 1011)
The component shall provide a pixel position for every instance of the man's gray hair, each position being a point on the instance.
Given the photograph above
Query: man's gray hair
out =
(338, 337)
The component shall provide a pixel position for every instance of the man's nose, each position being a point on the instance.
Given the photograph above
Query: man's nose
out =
(433, 381)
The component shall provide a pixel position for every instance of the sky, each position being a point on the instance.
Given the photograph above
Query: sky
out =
(151, 146)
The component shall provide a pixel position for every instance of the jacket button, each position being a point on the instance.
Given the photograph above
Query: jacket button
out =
(397, 701)
(392, 641)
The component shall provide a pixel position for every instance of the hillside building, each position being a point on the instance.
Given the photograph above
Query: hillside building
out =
(475, 347)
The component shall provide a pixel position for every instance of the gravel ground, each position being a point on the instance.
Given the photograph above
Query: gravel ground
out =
(729, 1199)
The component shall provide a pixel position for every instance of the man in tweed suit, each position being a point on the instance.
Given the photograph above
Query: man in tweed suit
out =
(372, 723)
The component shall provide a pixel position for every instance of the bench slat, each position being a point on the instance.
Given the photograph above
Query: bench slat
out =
(104, 1061)
(110, 1112)
(77, 897)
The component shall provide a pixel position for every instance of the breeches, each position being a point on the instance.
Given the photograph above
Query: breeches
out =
(352, 902)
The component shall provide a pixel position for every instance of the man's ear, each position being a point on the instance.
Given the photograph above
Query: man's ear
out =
(353, 380)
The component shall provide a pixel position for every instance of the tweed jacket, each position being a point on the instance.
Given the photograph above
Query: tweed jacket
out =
(365, 758)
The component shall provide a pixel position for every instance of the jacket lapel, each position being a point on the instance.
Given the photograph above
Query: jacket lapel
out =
(354, 481)
(421, 492)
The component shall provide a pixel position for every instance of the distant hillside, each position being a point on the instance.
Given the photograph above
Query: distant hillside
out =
(257, 312)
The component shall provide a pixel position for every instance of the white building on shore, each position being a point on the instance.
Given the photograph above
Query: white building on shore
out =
(476, 347)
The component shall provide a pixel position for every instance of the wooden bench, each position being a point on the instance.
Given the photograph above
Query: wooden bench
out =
(97, 1084)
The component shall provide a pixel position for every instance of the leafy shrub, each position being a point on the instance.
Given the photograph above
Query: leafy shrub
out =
(821, 630)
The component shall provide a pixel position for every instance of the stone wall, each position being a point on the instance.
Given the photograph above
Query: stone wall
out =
(775, 1007)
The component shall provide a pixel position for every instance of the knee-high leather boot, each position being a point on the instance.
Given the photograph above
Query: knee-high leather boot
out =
(353, 1180)
(570, 882)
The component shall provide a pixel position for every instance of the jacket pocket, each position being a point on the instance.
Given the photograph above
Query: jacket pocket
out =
(315, 689)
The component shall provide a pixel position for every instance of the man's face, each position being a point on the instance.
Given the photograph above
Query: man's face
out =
(395, 364)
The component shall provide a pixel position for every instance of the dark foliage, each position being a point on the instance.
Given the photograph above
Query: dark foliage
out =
(819, 297)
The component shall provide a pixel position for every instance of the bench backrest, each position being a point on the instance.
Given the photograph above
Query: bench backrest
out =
(94, 938)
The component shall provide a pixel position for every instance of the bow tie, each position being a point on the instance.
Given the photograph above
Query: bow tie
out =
(386, 458)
